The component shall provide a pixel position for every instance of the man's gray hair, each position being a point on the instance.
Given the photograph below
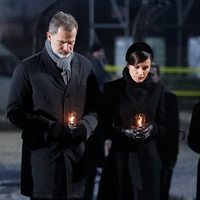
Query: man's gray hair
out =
(67, 21)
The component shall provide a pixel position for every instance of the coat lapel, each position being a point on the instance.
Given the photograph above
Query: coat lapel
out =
(74, 81)
(50, 67)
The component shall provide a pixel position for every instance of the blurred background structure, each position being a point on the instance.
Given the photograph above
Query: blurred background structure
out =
(171, 27)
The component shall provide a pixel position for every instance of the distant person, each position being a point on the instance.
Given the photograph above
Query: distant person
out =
(95, 143)
(98, 60)
(133, 118)
(194, 140)
(168, 148)
(53, 100)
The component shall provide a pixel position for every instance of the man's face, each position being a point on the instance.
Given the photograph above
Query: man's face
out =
(154, 73)
(140, 71)
(62, 43)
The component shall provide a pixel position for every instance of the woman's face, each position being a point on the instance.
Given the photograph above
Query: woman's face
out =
(140, 71)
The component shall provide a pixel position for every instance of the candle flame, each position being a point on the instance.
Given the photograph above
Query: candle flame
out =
(140, 120)
(72, 118)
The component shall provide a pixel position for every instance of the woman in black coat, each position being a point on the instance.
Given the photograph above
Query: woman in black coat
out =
(132, 169)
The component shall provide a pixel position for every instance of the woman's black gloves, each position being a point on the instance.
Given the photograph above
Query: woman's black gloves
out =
(139, 133)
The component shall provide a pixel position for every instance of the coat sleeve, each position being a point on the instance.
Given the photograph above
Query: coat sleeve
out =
(168, 146)
(19, 106)
(159, 124)
(107, 122)
(173, 126)
(90, 117)
(194, 129)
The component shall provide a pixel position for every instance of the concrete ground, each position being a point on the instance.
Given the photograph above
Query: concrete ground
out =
(183, 182)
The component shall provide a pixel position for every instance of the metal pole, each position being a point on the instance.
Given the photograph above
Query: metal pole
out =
(182, 14)
(179, 33)
(91, 22)
(127, 21)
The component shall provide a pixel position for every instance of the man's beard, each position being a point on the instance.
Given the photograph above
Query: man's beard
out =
(63, 56)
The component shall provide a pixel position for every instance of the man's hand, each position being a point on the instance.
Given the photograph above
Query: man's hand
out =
(60, 131)
(79, 134)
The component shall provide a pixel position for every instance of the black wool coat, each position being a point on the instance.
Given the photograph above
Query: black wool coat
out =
(132, 169)
(194, 136)
(194, 140)
(38, 97)
(168, 148)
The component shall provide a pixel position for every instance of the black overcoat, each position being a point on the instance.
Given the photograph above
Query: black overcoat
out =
(168, 148)
(132, 169)
(39, 96)
(194, 140)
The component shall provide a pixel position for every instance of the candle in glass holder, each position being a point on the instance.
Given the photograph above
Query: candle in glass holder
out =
(72, 120)
(139, 120)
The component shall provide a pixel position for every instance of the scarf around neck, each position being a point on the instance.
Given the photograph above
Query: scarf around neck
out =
(146, 84)
(62, 63)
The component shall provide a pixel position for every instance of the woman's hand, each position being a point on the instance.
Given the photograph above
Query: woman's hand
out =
(138, 133)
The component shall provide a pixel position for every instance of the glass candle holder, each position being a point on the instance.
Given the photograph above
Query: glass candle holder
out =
(72, 120)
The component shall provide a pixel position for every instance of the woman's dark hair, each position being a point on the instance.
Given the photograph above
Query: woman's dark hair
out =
(138, 52)
(138, 57)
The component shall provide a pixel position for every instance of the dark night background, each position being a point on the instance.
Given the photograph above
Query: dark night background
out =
(23, 24)
(18, 19)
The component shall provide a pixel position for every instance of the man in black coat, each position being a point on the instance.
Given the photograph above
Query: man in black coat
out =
(194, 140)
(95, 144)
(168, 148)
(53, 99)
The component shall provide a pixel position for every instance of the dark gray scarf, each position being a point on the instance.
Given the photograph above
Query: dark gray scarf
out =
(62, 63)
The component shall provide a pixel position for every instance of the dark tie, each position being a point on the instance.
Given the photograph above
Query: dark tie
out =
(66, 74)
